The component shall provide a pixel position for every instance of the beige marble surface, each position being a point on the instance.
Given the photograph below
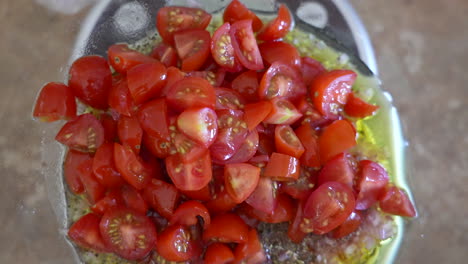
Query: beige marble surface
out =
(422, 52)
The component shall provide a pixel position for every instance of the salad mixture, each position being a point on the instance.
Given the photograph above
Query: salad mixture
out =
(219, 147)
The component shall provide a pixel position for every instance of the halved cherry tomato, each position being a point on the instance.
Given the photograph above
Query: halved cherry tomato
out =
(204, 194)
(189, 176)
(187, 149)
(308, 138)
(310, 68)
(122, 58)
(218, 253)
(187, 214)
(214, 77)
(176, 244)
(283, 112)
(310, 115)
(281, 80)
(109, 123)
(370, 184)
(128, 233)
(287, 142)
(191, 92)
(154, 119)
(351, 224)
(85, 233)
(246, 84)
(280, 51)
(130, 133)
(145, 81)
(55, 101)
(282, 167)
(255, 113)
(284, 211)
(84, 133)
(166, 54)
(330, 90)
(302, 187)
(93, 189)
(112, 200)
(236, 233)
(264, 196)
(228, 99)
(396, 201)
(338, 137)
(172, 19)
(295, 232)
(236, 11)
(70, 170)
(327, 207)
(159, 147)
(91, 80)
(251, 251)
(247, 150)
(104, 167)
(232, 131)
(162, 197)
(193, 48)
(278, 27)
(199, 124)
(240, 180)
(133, 199)
(131, 167)
(222, 202)
(120, 99)
(245, 45)
(173, 75)
(356, 107)
(222, 49)
(338, 169)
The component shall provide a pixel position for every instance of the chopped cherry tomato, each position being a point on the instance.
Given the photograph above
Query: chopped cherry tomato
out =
(356, 107)
(187, 149)
(94, 190)
(338, 137)
(310, 68)
(159, 147)
(120, 99)
(91, 80)
(260, 160)
(55, 101)
(351, 224)
(308, 138)
(130, 133)
(172, 19)
(145, 81)
(199, 124)
(162, 197)
(176, 244)
(284, 211)
(280, 51)
(104, 167)
(193, 48)
(215, 77)
(122, 58)
(222, 202)
(245, 45)
(131, 167)
(133, 199)
(128, 233)
(112, 200)
(370, 184)
(189, 176)
(247, 150)
(173, 75)
(246, 84)
(251, 251)
(277, 28)
(204, 194)
(154, 119)
(85, 233)
(222, 49)
(295, 232)
(187, 214)
(255, 113)
(228, 99)
(396, 201)
(232, 131)
(166, 54)
(311, 115)
(264, 196)
(330, 90)
(218, 253)
(338, 169)
(281, 80)
(70, 170)
(266, 145)
(287, 142)
(283, 112)
(191, 92)
(327, 207)
(236, 11)
(109, 123)
(84, 133)
(282, 167)
(241, 179)
(302, 187)
(236, 233)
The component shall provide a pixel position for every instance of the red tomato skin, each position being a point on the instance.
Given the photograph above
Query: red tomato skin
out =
(84, 133)
(159, 147)
(134, 200)
(310, 68)
(255, 113)
(280, 51)
(264, 196)
(218, 253)
(282, 167)
(130, 133)
(338, 169)
(338, 137)
(277, 28)
(237, 232)
(301, 188)
(283, 112)
(202, 94)
(281, 80)
(104, 167)
(85, 233)
(227, 98)
(187, 214)
(70, 170)
(199, 124)
(237, 11)
(175, 244)
(370, 184)
(247, 84)
(120, 99)
(240, 180)
(94, 190)
(221, 203)
(356, 107)
(204, 194)
(91, 80)
(112, 200)
(247, 150)
(243, 41)
(287, 142)
(109, 124)
(190, 176)
(396, 201)
(165, 54)
(154, 120)
(284, 211)
(145, 81)
(173, 75)
(308, 138)
(222, 49)
(131, 167)
(295, 232)
(162, 197)
(250, 252)
(351, 224)
(194, 58)
(122, 58)
(54, 102)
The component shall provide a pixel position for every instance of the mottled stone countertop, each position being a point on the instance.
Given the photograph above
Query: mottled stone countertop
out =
(422, 53)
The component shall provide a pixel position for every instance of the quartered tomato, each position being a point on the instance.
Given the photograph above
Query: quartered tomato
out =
(120, 99)
(166, 54)
(159, 147)
(237, 11)
(204, 194)
(173, 75)
(246, 84)
(188, 213)
(175, 243)
(128, 233)
(162, 197)
(283, 112)
(247, 150)
(240, 180)
(338, 137)
(55, 101)
(232, 131)
(277, 28)
(154, 119)
(85, 233)
(218, 231)
(93, 189)
(245, 45)
(133, 199)
(199, 124)
(281, 52)
(172, 19)
(145, 81)
(228, 99)
(191, 92)
(302, 187)
(133, 170)
(84, 133)
(214, 77)
(222, 49)
(187, 149)
(109, 123)
(308, 138)
(310, 115)
(284, 211)
(130, 133)
(351, 224)
(122, 58)
(287, 142)
(221, 203)
(356, 107)
(310, 68)
(70, 170)
(370, 184)
(295, 232)
(218, 253)
(255, 113)
(282, 167)
(264, 196)
(104, 167)
(112, 200)
(396, 201)
(281, 80)
(338, 169)
(193, 48)
(189, 176)
(250, 251)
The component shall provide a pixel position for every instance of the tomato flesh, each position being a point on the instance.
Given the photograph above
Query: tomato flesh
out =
(187, 214)
(120, 99)
(351, 224)
(232, 131)
(218, 253)
(70, 170)
(396, 201)
(175, 244)
(250, 251)
(236, 233)
(165, 54)
(310, 68)
(84, 133)
(338, 137)
(255, 113)
(193, 47)
(189, 176)
(309, 140)
(245, 45)
(280, 51)
(282, 167)
(241, 179)
(277, 28)
(356, 107)
(246, 84)
(55, 101)
(222, 49)
(283, 112)
(263, 197)
(162, 197)
(131, 167)
(237, 11)
(85, 233)
(191, 92)
(130, 133)
(371, 182)
(145, 81)
(338, 169)
(287, 142)
(104, 167)
(281, 80)
(247, 150)
(199, 124)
